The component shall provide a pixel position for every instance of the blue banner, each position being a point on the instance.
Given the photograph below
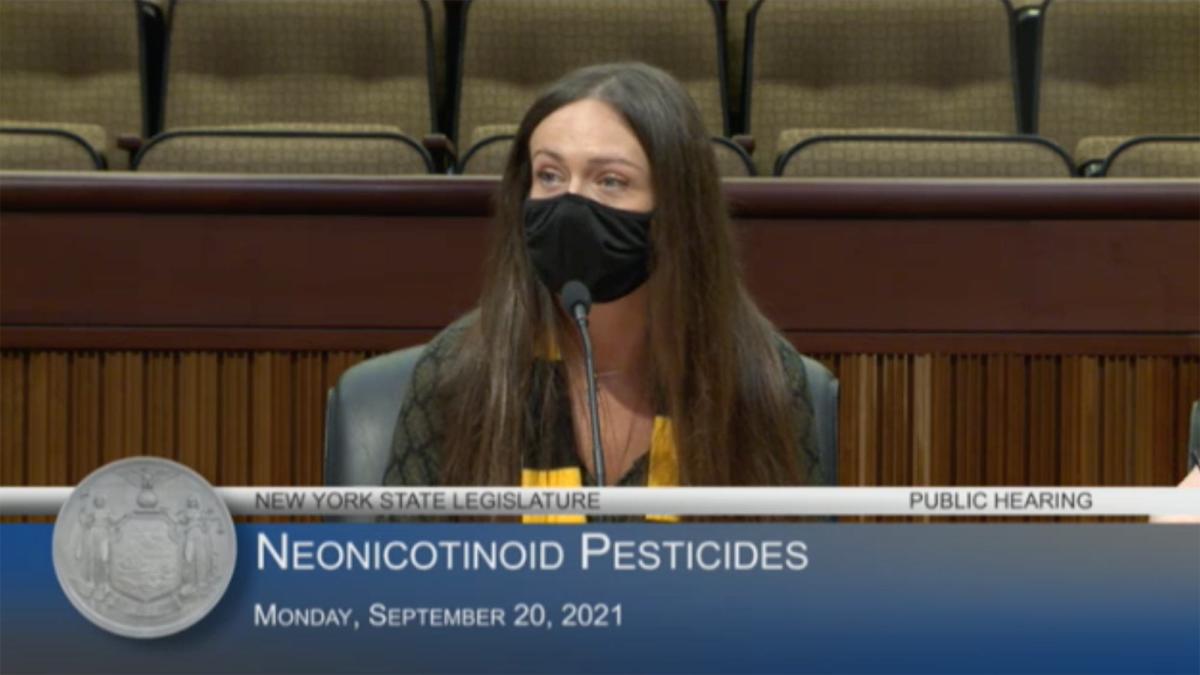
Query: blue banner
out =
(810, 598)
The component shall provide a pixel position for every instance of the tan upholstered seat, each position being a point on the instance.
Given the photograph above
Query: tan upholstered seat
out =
(895, 64)
(28, 146)
(512, 49)
(487, 149)
(286, 149)
(1115, 69)
(1147, 156)
(236, 62)
(73, 65)
(266, 66)
(910, 153)
(732, 160)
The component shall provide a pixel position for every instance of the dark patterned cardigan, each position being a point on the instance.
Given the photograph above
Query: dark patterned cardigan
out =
(418, 435)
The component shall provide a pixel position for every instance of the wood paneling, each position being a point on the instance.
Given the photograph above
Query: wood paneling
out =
(868, 267)
(237, 418)
(258, 418)
(984, 332)
(472, 196)
(13, 406)
(249, 275)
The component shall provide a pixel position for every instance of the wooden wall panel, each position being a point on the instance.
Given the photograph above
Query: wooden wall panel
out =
(85, 415)
(858, 420)
(941, 421)
(161, 428)
(1155, 426)
(121, 403)
(1080, 417)
(308, 406)
(234, 411)
(1021, 267)
(1116, 421)
(1043, 419)
(46, 434)
(198, 412)
(895, 437)
(1016, 393)
(922, 420)
(238, 418)
(968, 420)
(257, 418)
(12, 418)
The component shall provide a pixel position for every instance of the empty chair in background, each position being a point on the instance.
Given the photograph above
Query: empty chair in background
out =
(874, 154)
(1113, 70)
(294, 150)
(71, 83)
(1154, 157)
(511, 49)
(270, 86)
(911, 67)
(31, 146)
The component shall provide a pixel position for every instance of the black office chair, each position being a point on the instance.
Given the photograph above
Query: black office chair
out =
(361, 411)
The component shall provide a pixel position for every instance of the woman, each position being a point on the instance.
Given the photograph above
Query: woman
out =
(611, 181)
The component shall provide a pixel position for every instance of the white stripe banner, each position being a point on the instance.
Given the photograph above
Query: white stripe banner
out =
(686, 501)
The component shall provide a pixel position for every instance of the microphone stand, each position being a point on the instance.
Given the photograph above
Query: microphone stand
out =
(577, 300)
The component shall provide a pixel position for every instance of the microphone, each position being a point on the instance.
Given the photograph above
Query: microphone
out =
(577, 300)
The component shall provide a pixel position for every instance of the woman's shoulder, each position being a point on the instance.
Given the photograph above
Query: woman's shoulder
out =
(451, 337)
(794, 368)
(440, 351)
(418, 433)
(796, 374)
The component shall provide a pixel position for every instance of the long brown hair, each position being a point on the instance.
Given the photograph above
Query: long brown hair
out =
(715, 364)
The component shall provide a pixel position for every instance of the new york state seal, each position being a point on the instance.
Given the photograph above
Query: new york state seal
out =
(144, 547)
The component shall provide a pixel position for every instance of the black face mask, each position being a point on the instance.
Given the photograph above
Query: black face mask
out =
(572, 237)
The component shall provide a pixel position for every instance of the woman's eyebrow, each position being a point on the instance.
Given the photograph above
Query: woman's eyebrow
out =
(592, 161)
(611, 159)
(553, 155)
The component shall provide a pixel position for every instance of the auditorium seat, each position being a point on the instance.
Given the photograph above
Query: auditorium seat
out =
(271, 85)
(487, 149)
(1113, 70)
(70, 83)
(286, 149)
(1146, 156)
(732, 160)
(901, 66)
(512, 49)
(815, 153)
(32, 146)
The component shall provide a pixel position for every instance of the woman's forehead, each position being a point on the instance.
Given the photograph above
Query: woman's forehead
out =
(588, 131)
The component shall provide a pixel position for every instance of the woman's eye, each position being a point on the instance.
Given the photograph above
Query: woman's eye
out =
(547, 177)
(612, 182)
